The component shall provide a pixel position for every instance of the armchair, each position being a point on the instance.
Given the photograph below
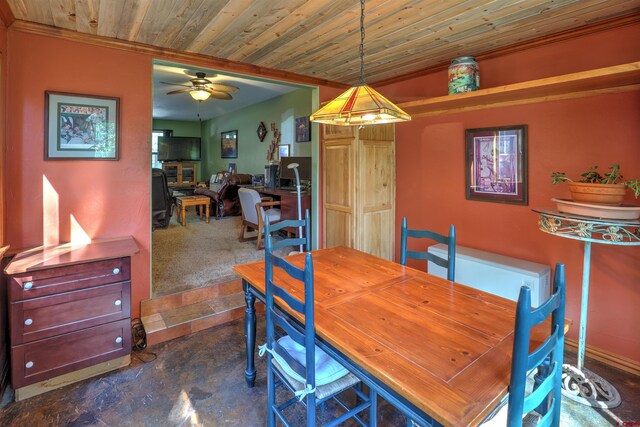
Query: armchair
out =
(225, 202)
(161, 199)
(254, 214)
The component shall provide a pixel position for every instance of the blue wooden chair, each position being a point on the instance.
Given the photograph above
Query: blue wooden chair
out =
(546, 384)
(450, 241)
(293, 359)
(304, 243)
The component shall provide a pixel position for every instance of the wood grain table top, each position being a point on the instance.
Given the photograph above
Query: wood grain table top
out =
(443, 346)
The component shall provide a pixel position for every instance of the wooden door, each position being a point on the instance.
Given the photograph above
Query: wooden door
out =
(375, 215)
(339, 177)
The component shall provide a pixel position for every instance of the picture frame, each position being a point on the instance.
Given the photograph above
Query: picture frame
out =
(81, 126)
(303, 129)
(496, 164)
(283, 150)
(232, 168)
(229, 144)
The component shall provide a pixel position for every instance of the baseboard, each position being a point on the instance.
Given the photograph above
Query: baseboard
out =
(619, 362)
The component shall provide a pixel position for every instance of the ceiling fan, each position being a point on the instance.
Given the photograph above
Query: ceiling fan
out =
(202, 88)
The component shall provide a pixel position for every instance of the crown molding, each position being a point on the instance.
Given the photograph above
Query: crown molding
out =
(170, 54)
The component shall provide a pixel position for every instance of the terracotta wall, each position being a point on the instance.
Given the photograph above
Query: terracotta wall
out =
(3, 92)
(105, 198)
(563, 135)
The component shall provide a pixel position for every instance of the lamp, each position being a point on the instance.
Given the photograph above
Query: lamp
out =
(361, 104)
(199, 94)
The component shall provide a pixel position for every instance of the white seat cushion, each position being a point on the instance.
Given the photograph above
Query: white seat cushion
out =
(327, 369)
(272, 214)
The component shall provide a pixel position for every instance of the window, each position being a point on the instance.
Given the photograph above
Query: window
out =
(155, 134)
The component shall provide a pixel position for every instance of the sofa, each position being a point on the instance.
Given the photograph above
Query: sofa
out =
(225, 202)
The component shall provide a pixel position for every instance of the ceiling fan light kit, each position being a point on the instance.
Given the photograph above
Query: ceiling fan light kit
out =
(361, 104)
(202, 89)
(200, 94)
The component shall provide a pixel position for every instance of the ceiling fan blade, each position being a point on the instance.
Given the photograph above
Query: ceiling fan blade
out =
(175, 84)
(220, 87)
(220, 95)
(173, 92)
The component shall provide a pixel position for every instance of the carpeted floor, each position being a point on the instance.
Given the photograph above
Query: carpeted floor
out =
(199, 254)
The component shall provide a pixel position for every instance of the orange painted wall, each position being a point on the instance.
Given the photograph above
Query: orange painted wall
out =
(563, 135)
(3, 92)
(106, 198)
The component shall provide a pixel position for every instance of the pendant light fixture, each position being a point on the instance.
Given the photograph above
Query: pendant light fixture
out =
(361, 104)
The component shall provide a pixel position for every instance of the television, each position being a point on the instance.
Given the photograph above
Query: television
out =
(304, 168)
(178, 148)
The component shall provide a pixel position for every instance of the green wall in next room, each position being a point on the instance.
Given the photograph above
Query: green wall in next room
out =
(179, 127)
(252, 154)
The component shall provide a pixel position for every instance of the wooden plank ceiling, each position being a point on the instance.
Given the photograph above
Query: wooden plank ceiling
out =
(319, 38)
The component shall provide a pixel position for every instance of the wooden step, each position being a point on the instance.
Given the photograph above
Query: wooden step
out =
(177, 315)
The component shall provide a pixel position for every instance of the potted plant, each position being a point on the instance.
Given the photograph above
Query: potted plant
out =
(607, 189)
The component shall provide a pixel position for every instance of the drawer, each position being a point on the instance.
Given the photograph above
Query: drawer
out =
(44, 317)
(69, 278)
(45, 359)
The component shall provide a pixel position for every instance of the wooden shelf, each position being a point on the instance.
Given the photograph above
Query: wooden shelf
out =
(618, 78)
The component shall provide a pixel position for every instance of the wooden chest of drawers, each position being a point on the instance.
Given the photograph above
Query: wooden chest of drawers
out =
(66, 316)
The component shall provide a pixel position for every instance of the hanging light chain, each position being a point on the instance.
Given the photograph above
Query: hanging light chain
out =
(362, 42)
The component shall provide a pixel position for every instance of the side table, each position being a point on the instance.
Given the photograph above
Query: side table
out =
(184, 201)
(580, 384)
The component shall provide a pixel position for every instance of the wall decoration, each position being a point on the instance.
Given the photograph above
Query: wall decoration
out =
(262, 131)
(80, 127)
(229, 144)
(303, 129)
(275, 142)
(496, 164)
(283, 150)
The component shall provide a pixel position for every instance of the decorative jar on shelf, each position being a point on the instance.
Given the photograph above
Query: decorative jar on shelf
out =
(464, 75)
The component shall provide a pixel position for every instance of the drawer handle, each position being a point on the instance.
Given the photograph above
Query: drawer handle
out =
(118, 340)
(116, 270)
(118, 302)
(28, 285)
(29, 365)
(28, 322)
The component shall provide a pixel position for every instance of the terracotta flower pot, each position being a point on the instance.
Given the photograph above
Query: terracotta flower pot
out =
(603, 194)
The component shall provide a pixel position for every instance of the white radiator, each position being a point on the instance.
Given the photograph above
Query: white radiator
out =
(497, 274)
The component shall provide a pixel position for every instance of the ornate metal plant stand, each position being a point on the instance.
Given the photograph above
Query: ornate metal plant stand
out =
(580, 384)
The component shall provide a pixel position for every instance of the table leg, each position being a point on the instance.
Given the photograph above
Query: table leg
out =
(206, 218)
(578, 383)
(249, 334)
(184, 215)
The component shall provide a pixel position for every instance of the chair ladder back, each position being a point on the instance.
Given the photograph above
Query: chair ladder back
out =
(303, 225)
(449, 263)
(547, 357)
(305, 307)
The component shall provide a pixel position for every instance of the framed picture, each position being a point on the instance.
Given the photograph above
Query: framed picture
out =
(283, 150)
(229, 144)
(303, 129)
(232, 168)
(496, 164)
(80, 126)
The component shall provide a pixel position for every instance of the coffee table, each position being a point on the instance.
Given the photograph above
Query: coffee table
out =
(183, 201)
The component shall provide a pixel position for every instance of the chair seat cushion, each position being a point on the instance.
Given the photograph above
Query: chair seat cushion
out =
(327, 369)
(322, 391)
(273, 215)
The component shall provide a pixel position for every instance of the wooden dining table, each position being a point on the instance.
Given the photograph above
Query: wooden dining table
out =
(437, 350)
